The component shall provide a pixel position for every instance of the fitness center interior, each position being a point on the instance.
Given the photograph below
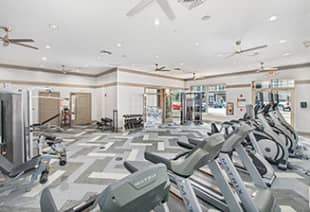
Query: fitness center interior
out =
(154, 105)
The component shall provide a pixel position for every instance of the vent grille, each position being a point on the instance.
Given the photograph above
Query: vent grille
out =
(191, 4)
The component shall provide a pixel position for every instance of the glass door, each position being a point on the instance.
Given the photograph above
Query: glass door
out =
(173, 105)
(285, 104)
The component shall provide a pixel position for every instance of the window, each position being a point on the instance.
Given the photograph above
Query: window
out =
(282, 83)
(217, 100)
(276, 83)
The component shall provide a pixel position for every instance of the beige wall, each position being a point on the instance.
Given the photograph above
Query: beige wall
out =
(123, 90)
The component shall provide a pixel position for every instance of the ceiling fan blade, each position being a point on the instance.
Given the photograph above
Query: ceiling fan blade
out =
(165, 6)
(231, 55)
(25, 45)
(6, 29)
(139, 7)
(253, 49)
(21, 40)
(196, 4)
(271, 69)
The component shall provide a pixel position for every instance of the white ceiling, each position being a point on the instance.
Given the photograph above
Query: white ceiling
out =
(86, 27)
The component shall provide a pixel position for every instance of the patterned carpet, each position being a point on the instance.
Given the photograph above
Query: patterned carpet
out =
(95, 159)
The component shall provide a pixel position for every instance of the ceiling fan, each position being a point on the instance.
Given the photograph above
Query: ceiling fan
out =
(165, 69)
(263, 68)
(20, 42)
(241, 51)
(164, 4)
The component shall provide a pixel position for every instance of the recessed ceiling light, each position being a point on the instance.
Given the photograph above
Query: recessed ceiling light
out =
(273, 18)
(286, 54)
(283, 41)
(197, 44)
(205, 18)
(182, 64)
(156, 56)
(119, 45)
(53, 27)
(44, 58)
(47, 46)
(306, 44)
(220, 55)
(156, 22)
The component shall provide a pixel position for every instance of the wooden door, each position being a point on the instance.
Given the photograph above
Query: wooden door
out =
(49, 106)
(81, 108)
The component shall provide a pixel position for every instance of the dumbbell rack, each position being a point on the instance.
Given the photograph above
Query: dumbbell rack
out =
(133, 121)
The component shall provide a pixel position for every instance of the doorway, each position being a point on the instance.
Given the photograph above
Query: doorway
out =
(153, 108)
(172, 105)
(81, 108)
(49, 106)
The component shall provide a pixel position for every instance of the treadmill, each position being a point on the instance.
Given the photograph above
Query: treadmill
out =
(230, 194)
(146, 190)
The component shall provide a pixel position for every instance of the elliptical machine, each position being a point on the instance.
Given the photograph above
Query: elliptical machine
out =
(296, 150)
(276, 125)
(251, 146)
(274, 146)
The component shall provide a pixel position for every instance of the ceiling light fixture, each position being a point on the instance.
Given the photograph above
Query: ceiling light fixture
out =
(119, 45)
(44, 58)
(273, 18)
(283, 41)
(156, 56)
(156, 22)
(47, 46)
(197, 44)
(286, 54)
(182, 64)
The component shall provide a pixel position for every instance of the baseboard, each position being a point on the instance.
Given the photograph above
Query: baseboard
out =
(307, 134)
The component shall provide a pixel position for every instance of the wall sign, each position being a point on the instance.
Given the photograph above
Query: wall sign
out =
(304, 105)
(241, 102)
(230, 109)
